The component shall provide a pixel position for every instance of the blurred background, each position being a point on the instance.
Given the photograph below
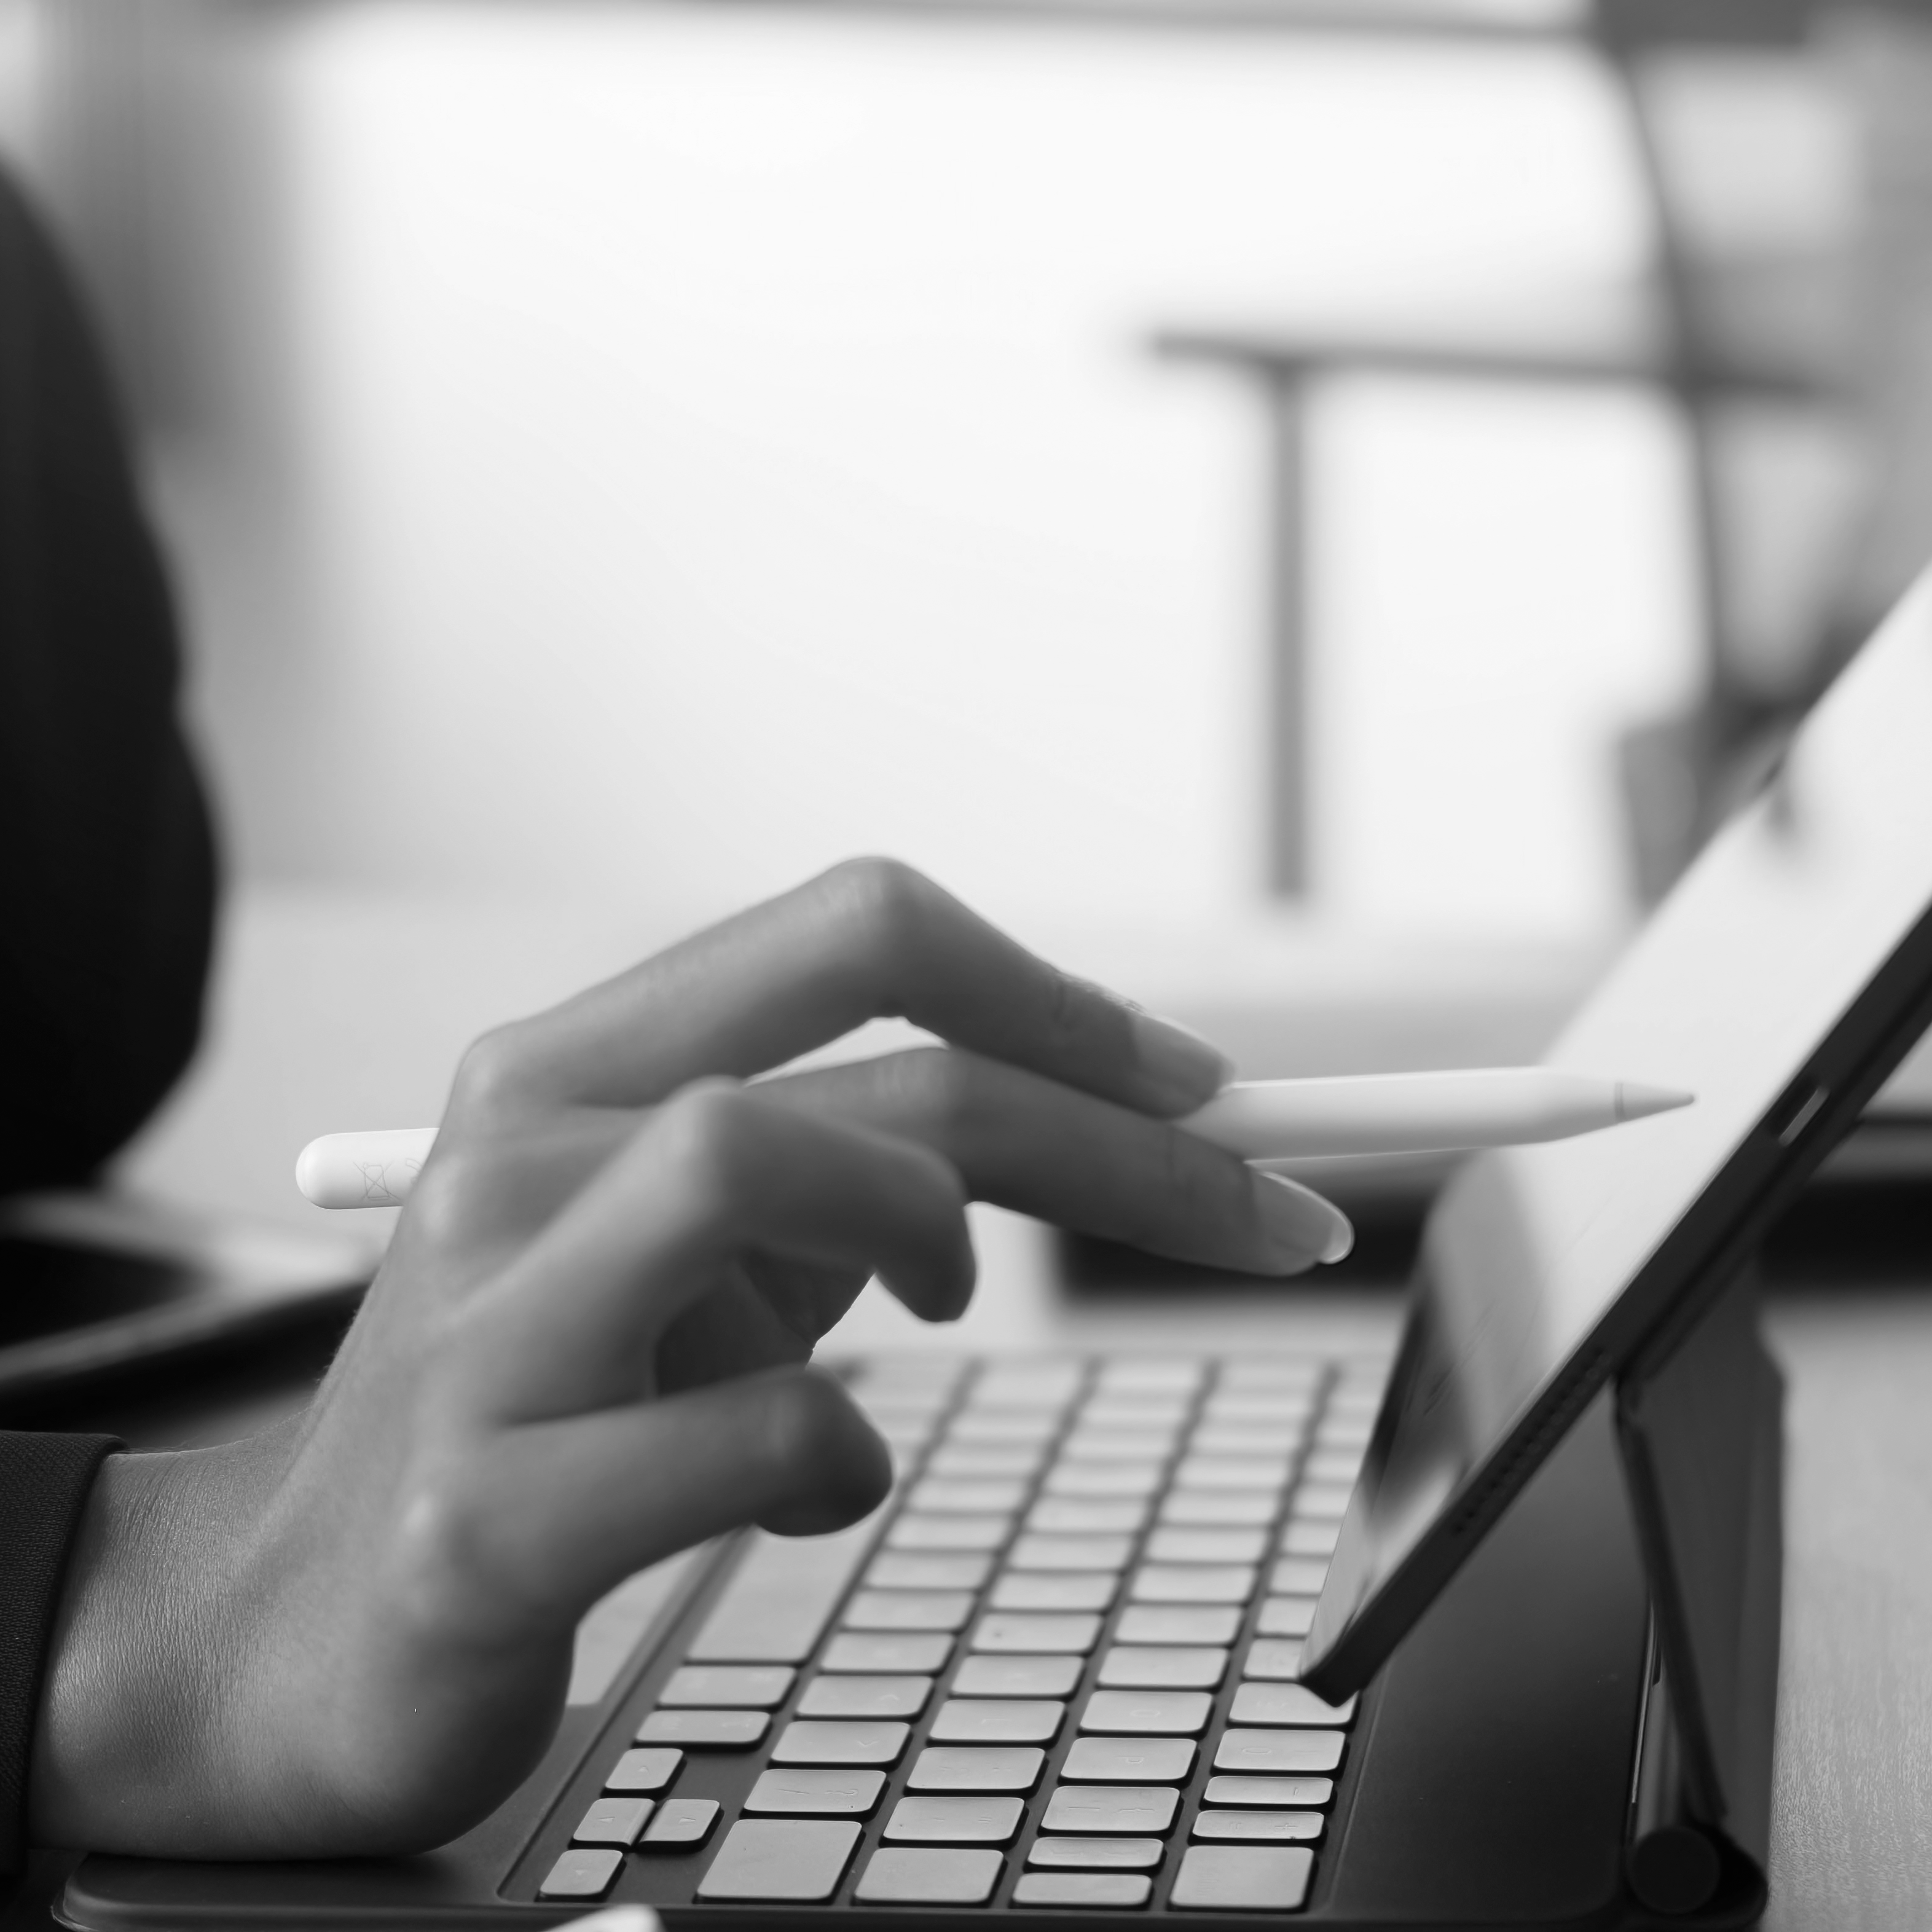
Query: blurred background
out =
(1310, 510)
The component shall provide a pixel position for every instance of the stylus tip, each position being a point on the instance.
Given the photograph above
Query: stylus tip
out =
(1635, 1100)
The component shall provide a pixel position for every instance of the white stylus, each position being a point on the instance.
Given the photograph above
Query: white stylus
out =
(1420, 1113)
(1259, 1120)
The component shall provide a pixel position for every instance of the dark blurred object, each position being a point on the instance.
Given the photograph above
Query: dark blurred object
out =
(107, 874)
(1784, 330)
(96, 1290)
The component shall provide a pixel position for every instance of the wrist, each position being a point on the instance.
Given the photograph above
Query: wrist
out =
(148, 1661)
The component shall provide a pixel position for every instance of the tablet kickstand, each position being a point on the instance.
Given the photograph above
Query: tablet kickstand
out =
(1699, 1425)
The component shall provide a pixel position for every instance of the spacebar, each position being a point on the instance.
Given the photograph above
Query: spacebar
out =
(779, 1597)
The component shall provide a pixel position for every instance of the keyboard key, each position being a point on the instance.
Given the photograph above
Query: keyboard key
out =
(1049, 1635)
(801, 1859)
(1353, 1396)
(585, 1873)
(704, 1730)
(724, 1686)
(998, 1428)
(997, 1720)
(1231, 1472)
(1344, 1432)
(1206, 1545)
(887, 1653)
(1150, 1375)
(1288, 1751)
(1055, 1516)
(1129, 1810)
(1097, 1854)
(1103, 1479)
(1247, 1438)
(1181, 1713)
(612, 1821)
(1333, 1466)
(1130, 1760)
(809, 1741)
(1212, 1508)
(777, 1603)
(1325, 1502)
(1017, 1677)
(955, 1821)
(939, 1495)
(1298, 1577)
(1273, 1658)
(1272, 1373)
(972, 1462)
(1242, 1878)
(865, 1697)
(901, 1570)
(1191, 1583)
(1132, 1411)
(638, 1770)
(1049, 1590)
(1286, 1616)
(908, 1610)
(1107, 1553)
(967, 1768)
(1176, 1667)
(1178, 1623)
(1278, 1828)
(1310, 1539)
(1119, 1891)
(1118, 1445)
(896, 1876)
(1286, 1704)
(845, 1794)
(680, 1823)
(1027, 1385)
(949, 1532)
(1279, 1409)
(1300, 1791)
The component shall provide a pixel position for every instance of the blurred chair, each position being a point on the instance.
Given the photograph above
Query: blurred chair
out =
(1751, 121)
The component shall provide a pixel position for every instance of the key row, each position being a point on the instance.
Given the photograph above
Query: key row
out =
(805, 1860)
(867, 1720)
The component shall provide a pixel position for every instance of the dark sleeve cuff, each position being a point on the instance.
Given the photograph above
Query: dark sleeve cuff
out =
(44, 1481)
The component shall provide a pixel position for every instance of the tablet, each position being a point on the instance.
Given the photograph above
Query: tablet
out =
(1781, 982)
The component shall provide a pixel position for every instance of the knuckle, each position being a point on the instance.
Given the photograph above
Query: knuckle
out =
(492, 1074)
(442, 1554)
(883, 901)
(704, 1131)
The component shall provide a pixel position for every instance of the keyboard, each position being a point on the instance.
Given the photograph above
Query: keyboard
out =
(1057, 1670)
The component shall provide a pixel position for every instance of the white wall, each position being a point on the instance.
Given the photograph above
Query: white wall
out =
(685, 445)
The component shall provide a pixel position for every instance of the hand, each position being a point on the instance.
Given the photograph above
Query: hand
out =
(587, 1349)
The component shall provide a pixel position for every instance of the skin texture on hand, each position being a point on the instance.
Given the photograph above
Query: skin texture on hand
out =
(589, 1347)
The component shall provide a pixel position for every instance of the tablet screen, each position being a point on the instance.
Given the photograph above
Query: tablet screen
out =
(1778, 983)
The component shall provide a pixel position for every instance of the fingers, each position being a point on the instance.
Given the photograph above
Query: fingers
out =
(551, 1514)
(1029, 1144)
(713, 1177)
(867, 939)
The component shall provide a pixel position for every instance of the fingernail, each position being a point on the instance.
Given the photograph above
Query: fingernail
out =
(1181, 1069)
(1301, 1220)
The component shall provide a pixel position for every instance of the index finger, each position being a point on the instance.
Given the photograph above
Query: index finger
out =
(870, 939)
